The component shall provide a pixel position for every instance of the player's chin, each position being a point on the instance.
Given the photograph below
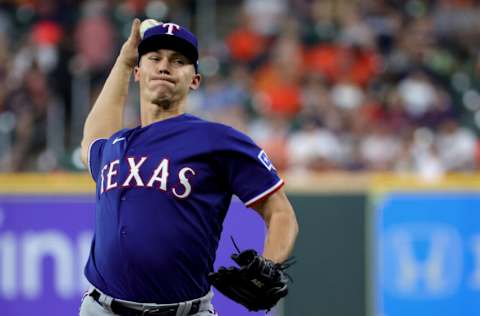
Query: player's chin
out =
(162, 94)
(164, 101)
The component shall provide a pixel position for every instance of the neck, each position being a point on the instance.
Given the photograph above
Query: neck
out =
(151, 112)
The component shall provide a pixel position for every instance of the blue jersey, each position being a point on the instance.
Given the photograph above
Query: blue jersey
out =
(162, 194)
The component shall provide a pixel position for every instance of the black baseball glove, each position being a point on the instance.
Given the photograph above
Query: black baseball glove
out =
(257, 284)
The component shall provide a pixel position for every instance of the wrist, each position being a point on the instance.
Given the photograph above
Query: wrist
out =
(125, 64)
(275, 258)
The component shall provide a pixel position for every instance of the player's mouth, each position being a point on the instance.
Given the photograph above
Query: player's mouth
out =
(163, 79)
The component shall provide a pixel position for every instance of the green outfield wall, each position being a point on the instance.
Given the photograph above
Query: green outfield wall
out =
(329, 277)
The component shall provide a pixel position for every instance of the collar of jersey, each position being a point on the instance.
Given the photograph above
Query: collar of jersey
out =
(164, 121)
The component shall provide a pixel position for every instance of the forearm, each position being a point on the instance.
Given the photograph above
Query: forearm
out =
(281, 236)
(106, 115)
(282, 226)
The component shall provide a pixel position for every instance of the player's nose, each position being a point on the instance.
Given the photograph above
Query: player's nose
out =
(162, 66)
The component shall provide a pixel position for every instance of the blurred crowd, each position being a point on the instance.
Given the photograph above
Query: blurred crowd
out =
(364, 85)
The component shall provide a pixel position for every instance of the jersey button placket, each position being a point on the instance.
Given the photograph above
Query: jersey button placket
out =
(125, 153)
(122, 194)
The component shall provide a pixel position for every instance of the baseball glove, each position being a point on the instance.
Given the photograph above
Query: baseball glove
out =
(257, 284)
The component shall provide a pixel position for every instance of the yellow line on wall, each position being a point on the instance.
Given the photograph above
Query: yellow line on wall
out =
(38, 183)
(386, 182)
(312, 183)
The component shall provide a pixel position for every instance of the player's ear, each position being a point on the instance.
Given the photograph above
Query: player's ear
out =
(136, 73)
(195, 81)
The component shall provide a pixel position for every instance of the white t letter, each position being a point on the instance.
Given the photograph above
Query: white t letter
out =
(170, 27)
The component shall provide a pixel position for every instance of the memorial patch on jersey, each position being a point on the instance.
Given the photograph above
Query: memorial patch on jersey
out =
(265, 160)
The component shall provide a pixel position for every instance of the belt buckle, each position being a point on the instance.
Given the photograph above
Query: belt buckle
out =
(149, 311)
(159, 311)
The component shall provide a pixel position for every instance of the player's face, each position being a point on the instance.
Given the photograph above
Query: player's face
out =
(165, 77)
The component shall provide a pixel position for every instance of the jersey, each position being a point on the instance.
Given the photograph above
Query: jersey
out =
(162, 193)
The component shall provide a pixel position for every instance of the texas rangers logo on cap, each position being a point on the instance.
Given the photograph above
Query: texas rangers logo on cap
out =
(156, 35)
(170, 27)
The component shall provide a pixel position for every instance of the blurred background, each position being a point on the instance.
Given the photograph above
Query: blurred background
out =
(321, 85)
(370, 109)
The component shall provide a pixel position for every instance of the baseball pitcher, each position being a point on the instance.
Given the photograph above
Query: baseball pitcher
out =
(164, 187)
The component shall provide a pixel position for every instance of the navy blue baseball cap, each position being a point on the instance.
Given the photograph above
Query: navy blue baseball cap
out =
(170, 36)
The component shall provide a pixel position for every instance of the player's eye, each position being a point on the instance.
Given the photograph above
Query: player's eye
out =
(154, 58)
(179, 61)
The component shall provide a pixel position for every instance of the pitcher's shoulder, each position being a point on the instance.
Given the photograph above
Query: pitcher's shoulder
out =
(216, 130)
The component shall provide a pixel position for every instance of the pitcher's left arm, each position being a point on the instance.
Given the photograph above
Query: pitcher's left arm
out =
(281, 222)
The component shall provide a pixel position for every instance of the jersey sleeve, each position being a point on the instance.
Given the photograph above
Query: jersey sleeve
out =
(95, 152)
(249, 172)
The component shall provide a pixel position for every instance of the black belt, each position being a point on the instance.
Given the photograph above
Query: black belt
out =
(170, 310)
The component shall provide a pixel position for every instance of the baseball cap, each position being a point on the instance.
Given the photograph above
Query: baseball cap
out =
(170, 36)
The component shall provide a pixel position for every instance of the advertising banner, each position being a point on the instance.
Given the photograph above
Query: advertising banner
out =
(45, 242)
(428, 254)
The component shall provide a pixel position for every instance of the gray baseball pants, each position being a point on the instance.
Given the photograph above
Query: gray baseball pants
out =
(90, 307)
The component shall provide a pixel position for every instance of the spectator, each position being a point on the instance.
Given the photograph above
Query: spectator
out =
(314, 148)
(30, 104)
(456, 146)
(380, 148)
(417, 94)
(245, 44)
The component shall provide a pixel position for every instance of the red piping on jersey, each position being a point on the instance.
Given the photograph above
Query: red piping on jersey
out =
(264, 197)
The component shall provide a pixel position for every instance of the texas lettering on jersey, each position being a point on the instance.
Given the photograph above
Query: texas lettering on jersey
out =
(157, 179)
